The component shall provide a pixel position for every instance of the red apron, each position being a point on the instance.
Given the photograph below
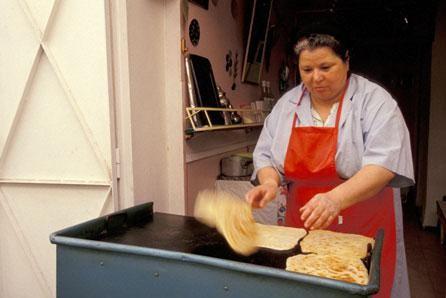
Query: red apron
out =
(310, 166)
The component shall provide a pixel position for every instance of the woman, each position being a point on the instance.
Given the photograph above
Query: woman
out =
(340, 143)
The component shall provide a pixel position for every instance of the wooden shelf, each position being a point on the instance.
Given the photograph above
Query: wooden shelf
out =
(194, 111)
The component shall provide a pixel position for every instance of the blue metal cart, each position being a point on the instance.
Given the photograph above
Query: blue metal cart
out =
(138, 253)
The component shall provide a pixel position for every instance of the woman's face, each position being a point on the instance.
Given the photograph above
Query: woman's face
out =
(323, 73)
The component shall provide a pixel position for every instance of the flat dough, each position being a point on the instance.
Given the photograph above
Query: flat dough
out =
(231, 216)
(333, 243)
(278, 237)
(205, 205)
(330, 266)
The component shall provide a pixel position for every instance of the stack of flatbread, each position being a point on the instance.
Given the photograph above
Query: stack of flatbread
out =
(330, 266)
(232, 217)
(333, 255)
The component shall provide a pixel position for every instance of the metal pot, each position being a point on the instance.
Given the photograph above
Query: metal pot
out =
(236, 166)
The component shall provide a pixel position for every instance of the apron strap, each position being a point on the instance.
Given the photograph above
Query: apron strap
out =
(338, 115)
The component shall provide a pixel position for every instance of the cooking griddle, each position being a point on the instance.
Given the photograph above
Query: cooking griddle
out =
(165, 255)
(187, 235)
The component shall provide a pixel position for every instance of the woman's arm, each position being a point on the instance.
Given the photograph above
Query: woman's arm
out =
(323, 208)
(262, 194)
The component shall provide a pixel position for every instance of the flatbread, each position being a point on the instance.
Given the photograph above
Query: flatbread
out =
(333, 243)
(278, 237)
(205, 206)
(330, 266)
(231, 216)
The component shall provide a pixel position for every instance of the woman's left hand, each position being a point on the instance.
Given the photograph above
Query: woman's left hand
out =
(320, 212)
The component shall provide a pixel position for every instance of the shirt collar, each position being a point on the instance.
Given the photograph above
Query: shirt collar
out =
(304, 109)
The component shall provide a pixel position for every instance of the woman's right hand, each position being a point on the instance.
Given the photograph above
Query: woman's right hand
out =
(262, 194)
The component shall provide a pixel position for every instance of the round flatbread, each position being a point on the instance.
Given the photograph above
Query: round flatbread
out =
(334, 243)
(205, 207)
(278, 237)
(231, 216)
(330, 266)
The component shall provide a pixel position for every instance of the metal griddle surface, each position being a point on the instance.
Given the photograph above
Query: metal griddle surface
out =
(185, 234)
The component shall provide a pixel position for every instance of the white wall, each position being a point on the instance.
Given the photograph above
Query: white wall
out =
(157, 111)
(436, 171)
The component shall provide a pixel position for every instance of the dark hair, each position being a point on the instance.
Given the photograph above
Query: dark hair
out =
(314, 41)
(325, 32)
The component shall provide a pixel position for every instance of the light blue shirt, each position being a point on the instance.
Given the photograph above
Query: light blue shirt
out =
(372, 131)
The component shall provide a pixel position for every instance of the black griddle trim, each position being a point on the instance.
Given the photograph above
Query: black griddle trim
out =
(368, 258)
(120, 221)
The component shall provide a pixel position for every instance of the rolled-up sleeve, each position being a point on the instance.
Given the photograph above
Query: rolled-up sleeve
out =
(262, 152)
(273, 140)
(386, 138)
